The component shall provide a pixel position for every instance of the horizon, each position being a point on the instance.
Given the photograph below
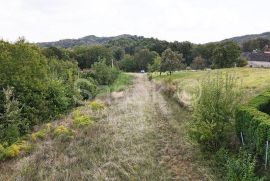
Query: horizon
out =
(148, 37)
(194, 21)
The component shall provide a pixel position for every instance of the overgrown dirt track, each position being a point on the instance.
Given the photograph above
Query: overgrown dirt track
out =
(139, 137)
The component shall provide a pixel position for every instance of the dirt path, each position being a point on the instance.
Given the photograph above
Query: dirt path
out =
(137, 138)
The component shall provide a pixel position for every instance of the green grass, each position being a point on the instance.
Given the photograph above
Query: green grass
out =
(252, 80)
(123, 80)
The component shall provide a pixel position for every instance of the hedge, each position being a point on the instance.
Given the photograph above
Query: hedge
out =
(253, 120)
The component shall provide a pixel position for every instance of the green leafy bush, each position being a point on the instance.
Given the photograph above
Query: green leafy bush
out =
(80, 120)
(241, 168)
(10, 119)
(214, 112)
(44, 88)
(254, 123)
(104, 74)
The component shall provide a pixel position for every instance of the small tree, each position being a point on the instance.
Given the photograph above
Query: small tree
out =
(155, 67)
(214, 112)
(226, 55)
(170, 61)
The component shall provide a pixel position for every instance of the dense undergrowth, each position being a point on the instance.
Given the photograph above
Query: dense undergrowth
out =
(35, 90)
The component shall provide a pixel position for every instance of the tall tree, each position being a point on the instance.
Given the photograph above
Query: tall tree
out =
(170, 61)
(226, 55)
(87, 56)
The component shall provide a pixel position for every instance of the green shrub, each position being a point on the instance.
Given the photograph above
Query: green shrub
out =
(63, 133)
(10, 120)
(104, 74)
(44, 88)
(96, 106)
(57, 96)
(87, 88)
(214, 112)
(241, 168)
(80, 120)
(254, 123)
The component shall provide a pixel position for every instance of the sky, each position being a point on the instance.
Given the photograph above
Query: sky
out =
(198, 21)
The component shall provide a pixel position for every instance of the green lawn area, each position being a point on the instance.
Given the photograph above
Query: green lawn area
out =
(252, 80)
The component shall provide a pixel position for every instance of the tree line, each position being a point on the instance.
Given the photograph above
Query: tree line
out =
(133, 54)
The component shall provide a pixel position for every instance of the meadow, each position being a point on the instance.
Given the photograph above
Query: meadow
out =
(252, 80)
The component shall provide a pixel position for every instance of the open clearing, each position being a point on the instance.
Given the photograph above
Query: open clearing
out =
(138, 137)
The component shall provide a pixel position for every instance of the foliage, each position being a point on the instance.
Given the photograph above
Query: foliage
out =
(96, 106)
(155, 67)
(253, 121)
(104, 74)
(87, 86)
(226, 55)
(128, 64)
(214, 112)
(256, 44)
(241, 168)
(58, 53)
(62, 133)
(80, 120)
(58, 96)
(10, 120)
(144, 57)
(44, 88)
(87, 56)
(242, 62)
(170, 61)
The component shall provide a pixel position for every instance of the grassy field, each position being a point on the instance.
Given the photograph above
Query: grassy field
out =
(252, 80)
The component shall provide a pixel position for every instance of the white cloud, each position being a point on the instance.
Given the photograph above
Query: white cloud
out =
(193, 20)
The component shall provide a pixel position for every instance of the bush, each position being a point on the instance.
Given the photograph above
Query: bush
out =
(87, 86)
(10, 120)
(253, 121)
(214, 112)
(12, 151)
(80, 120)
(104, 74)
(57, 96)
(96, 106)
(44, 88)
(241, 168)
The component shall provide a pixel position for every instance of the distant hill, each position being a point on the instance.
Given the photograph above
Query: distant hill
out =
(242, 39)
(122, 39)
(88, 40)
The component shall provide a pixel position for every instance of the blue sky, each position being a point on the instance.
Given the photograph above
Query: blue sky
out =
(193, 20)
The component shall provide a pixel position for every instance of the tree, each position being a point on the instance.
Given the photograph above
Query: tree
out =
(185, 48)
(155, 67)
(144, 57)
(198, 63)
(54, 52)
(170, 61)
(128, 64)
(226, 55)
(118, 53)
(87, 56)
